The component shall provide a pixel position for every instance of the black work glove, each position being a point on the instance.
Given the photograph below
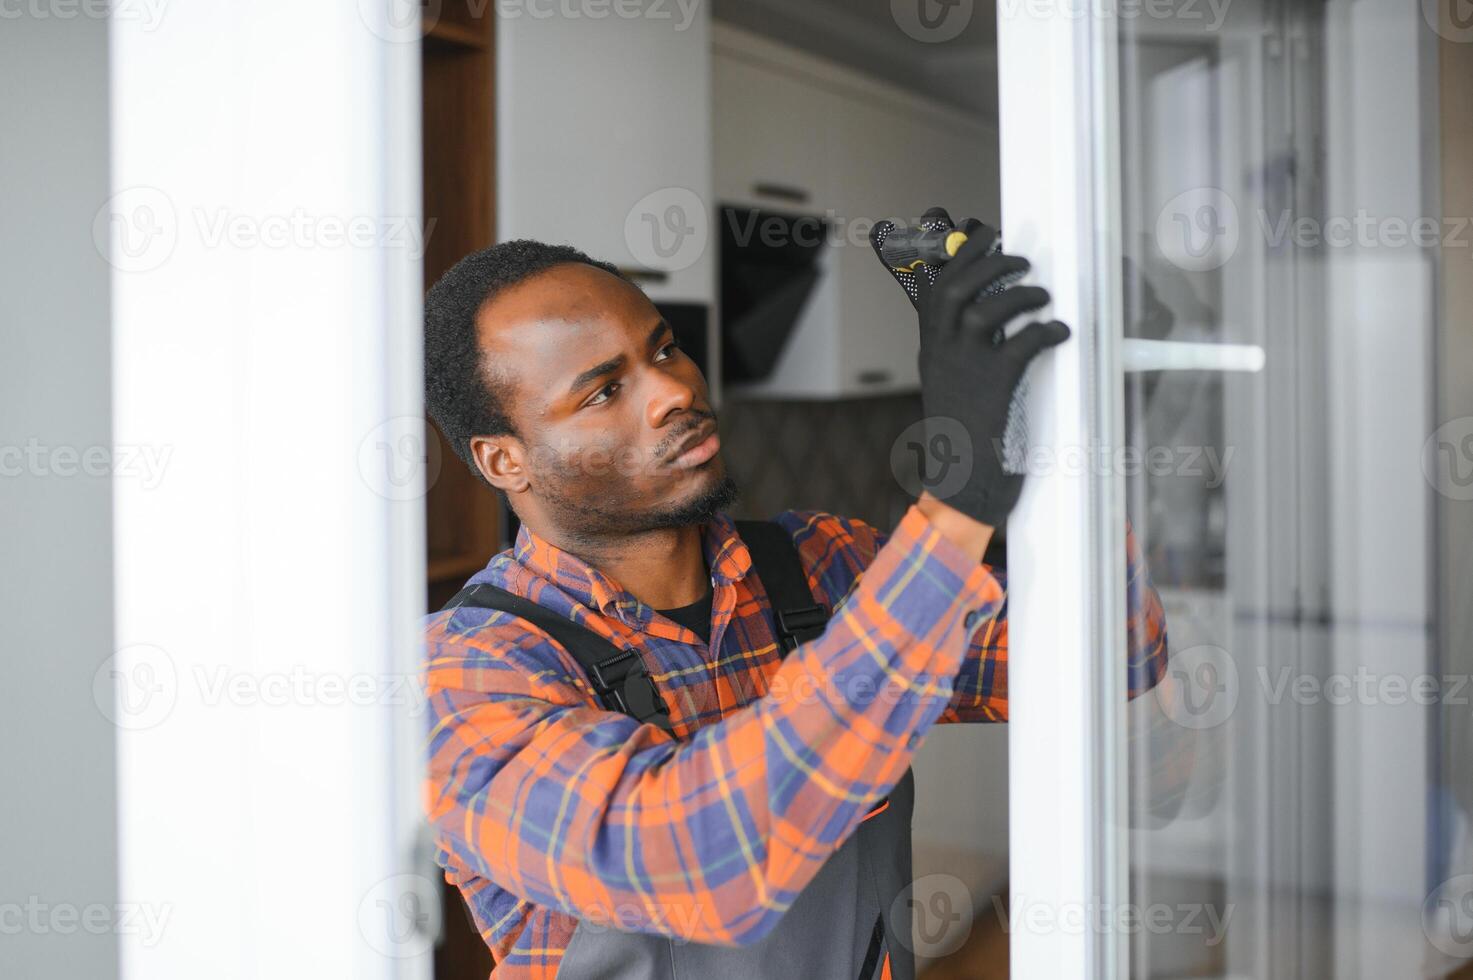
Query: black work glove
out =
(970, 369)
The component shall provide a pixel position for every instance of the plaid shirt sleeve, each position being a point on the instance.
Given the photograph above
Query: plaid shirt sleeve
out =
(535, 788)
(981, 685)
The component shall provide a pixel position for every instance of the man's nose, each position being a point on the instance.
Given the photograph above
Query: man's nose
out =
(668, 394)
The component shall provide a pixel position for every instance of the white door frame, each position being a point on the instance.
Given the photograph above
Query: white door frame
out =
(263, 229)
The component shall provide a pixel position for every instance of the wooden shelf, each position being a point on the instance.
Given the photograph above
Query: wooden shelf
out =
(459, 158)
(461, 512)
(445, 568)
(461, 35)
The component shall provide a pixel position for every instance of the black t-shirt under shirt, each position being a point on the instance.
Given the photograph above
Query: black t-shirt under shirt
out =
(696, 616)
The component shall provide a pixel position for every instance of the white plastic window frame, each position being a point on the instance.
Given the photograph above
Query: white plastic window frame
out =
(270, 583)
(1066, 676)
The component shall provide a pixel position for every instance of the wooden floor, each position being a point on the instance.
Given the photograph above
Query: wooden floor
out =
(984, 956)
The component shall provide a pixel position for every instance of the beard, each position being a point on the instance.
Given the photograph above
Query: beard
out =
(697, 510)
(595, 519)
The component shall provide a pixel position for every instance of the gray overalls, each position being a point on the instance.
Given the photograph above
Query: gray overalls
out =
(845, 925)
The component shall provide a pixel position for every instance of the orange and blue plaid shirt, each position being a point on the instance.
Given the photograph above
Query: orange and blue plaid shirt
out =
(549, 809)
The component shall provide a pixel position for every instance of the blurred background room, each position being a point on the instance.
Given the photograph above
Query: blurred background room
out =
(224, 507)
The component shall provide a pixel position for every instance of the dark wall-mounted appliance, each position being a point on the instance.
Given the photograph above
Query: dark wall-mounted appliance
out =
(769, 269)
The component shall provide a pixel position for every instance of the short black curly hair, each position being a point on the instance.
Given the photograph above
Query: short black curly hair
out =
(465, 395)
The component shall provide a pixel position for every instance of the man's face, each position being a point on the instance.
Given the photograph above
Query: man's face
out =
(617, 431)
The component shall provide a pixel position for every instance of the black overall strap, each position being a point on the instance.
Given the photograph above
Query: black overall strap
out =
(775, 557)
(799, 619)
(618, 676)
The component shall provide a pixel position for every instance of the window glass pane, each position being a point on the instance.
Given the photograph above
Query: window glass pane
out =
(1300, 786)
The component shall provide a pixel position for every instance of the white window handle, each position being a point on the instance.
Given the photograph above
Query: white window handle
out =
(1177, 355)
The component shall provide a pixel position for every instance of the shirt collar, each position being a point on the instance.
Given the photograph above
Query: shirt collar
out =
(726, 556)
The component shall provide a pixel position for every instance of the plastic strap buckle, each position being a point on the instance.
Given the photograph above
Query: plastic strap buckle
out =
(801, 625)
(623, 684)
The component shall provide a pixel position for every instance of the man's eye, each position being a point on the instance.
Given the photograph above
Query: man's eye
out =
(599, 398)
(671, 347)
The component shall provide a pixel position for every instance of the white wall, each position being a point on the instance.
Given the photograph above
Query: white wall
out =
(58, 852)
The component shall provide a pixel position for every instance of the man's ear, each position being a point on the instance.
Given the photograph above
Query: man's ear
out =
(502, 461)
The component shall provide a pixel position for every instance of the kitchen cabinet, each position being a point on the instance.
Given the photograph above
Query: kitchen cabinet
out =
(772, 135)
(855, 150)
(604, 142)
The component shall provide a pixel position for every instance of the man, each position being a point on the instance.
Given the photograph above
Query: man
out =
(757, 824)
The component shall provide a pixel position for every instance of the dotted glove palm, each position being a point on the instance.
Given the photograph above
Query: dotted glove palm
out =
(971, 370)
